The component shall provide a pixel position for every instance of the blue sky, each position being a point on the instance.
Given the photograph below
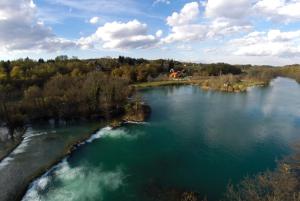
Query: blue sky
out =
(239, 31)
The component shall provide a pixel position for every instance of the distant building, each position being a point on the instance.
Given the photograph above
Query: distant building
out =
(174, 75)
(177, 74)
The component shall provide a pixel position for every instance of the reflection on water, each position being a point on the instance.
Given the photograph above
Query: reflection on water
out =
(195, 141)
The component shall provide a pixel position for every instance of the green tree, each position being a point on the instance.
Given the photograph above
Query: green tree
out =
(16, 72)
(6, 68)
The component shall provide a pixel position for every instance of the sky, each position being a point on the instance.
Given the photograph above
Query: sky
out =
(262, 32)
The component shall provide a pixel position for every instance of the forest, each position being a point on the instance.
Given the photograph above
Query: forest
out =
(70, 88)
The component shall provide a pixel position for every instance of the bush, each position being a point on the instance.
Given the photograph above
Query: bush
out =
(220, 69)
(281, 184)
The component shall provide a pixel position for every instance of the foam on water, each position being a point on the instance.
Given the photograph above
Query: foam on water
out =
(119, 133)
(136, 122)
(99, 134)
(102, 133)
(109, 132)
(77, 183)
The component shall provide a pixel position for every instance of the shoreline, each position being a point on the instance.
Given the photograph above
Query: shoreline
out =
(69, 151)
(242, 86)
(145, 85)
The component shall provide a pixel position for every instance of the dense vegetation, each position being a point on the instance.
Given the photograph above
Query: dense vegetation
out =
(292, 71)
(220, 69)
(69, 88)
(281, 184)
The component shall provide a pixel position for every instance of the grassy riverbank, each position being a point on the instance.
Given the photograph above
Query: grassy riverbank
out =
(218, 84)
(222, 83)
(161, 83)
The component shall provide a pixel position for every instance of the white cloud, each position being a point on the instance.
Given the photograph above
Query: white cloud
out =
(228, 16)
(184, 47)
(184, 26)
(162, 1)
(159, 33)
(187, 14)
(231, 9)
(21, 30)
(271, 43)
(276, 10)
(222, 27)
(94, 20)
(24, 27)
(118, 35)
(279, 10)
(187, 33)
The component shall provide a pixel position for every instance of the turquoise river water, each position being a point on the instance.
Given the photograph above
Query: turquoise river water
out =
(194, 141)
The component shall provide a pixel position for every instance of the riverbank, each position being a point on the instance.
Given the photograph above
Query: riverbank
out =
(45, 143)
(221, 83)
(234, 87)
(161, 83)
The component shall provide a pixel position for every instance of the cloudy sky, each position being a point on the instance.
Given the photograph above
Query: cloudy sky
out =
(233, 31)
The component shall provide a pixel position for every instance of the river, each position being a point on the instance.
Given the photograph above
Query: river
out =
(194, 141)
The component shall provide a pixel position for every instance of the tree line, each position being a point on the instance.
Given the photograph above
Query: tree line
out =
(70, 88)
